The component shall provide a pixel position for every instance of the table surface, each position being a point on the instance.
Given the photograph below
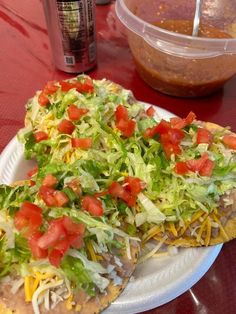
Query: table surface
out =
(26, 64)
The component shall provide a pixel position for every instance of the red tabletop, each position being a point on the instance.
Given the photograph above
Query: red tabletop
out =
(25, 66)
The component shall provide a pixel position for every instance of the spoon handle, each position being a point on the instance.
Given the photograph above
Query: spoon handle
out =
(196, 20)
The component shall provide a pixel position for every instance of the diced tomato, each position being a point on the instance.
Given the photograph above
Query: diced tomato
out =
(204, 136)
(55, 257)
(53, 235)
(150, 111)
(62, 233)
(66, 127)
(174, 136)
(133, 185)
(49, 181)
(118, 191)
(47, 195)
(123, 123)
(32, 172)
(28, 208)
(130, 128)
(121, 113)
(230, 141)
(181, 168)
(127, 127)
(63, 245)
(149, 133)
(61, 198)
(196, 165)
(83, 143)
(40, 136)
(170, 142)
(37, 252)
(76, 113)
(204, 166)
(77, 243)
(207, 168)
(85, 87)
(73, 228)
(28, 219)
(92, 205)
(179, 123)
(66, 86)
(190, 118)
(43, 99)
(170, 149)
(162, 127)
(51, 197)
(50, 88)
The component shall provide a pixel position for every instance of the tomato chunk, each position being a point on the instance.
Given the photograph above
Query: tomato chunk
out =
(55, 257)
(66, 86)
(49, 181)
(133, 185)
(53, 235)
(190, 118)
(83, 143)
(76, 113)
(150, 111)
(118, 191)
(121, 113)
(86, 86)
(50, 88)
(28, 219)
(123, 123)
(179, 123)
(92, 205)
(66, 127)
(204, 136)
(47, 195)
(174, 136)
(162, 127)
(62, 233)
(196, 165)
(204, 166)
(77, 242)
(37, 252)
(73, 228)
(181, 167)
(40, 136)
(230, 141)
(207, 168)
(61, 198)
(43, 99)
(127, 127)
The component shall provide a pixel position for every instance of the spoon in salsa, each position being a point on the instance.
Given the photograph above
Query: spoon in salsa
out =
(196, 20)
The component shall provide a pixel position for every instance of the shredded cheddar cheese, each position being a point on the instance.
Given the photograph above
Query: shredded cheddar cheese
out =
(208, 232)
(173, 229)
(28, 288)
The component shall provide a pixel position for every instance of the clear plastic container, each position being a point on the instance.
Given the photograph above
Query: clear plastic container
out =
(174, 63)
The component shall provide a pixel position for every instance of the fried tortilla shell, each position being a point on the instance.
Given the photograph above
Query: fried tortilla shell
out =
(15, 304)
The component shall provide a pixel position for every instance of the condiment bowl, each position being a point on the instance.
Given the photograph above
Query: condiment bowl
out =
(177, 63)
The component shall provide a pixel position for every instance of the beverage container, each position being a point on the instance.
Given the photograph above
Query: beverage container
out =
(72, 33)
(103, 1)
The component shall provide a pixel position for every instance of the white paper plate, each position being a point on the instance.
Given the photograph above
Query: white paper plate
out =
(157, 281)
